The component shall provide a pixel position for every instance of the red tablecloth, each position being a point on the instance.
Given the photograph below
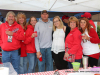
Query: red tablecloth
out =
(62, 72)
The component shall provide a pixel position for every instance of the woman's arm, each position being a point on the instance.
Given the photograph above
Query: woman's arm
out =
(28, 36)
(94, 36)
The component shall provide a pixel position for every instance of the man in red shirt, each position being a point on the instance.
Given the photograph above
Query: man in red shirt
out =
(88, 16)
(11, 34)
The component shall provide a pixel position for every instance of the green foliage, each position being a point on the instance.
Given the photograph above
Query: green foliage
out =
(98, 30)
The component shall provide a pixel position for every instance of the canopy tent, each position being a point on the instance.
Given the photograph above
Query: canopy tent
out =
(52, 5)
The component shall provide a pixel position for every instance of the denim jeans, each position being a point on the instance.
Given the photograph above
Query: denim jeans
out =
(46, 58)
(11, 56)
(23, 65)
(32, 62)
(70, 65)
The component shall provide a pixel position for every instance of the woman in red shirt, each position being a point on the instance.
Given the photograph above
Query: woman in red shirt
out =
(73, 42)
(30, 44)
(90, 47)
(21, 19)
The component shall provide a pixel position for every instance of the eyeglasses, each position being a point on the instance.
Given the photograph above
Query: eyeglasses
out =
(56, 21)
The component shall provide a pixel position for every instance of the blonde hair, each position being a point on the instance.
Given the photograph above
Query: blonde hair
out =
(20, 14)
(73, 18)
(61, 23)
(10, 12)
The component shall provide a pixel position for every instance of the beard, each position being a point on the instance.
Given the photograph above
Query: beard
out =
(10, 22)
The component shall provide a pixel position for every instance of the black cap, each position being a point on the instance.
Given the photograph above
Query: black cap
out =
(44, 11)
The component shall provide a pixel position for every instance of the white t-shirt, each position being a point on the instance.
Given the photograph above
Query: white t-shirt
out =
(88, 47)
(58, 44)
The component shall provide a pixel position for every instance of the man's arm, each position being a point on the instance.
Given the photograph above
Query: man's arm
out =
(37, 41)
(37, 38)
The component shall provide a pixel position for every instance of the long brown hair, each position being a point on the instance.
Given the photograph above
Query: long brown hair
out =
(30, 20)
(88, 25)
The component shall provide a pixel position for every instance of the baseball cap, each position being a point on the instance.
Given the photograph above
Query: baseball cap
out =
(44, 11)
(86, 15)
(65, 17)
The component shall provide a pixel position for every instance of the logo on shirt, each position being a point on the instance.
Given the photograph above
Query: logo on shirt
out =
(15, 30)
(70, 34)
(50, 26)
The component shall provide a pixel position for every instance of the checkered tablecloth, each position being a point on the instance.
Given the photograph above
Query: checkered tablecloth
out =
(62, 72)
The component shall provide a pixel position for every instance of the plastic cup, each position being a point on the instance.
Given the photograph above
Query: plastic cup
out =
(36, 33)
(84, 40)
(40, 59)
(85, 62)
(76, 66)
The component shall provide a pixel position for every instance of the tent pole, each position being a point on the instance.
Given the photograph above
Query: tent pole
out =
(53, 4)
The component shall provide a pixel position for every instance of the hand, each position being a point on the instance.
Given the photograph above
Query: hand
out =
(85, 37)
(10, 33)
(38, 54)
(66, 55)
(33, 35)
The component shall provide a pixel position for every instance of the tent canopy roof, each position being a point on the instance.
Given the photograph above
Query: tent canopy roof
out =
(54, 7)
(51, 5)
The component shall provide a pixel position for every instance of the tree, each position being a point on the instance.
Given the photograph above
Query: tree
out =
(98, 30)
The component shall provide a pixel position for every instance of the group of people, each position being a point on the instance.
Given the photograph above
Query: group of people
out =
(17, 42)
(74, 47)
(25, 42)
